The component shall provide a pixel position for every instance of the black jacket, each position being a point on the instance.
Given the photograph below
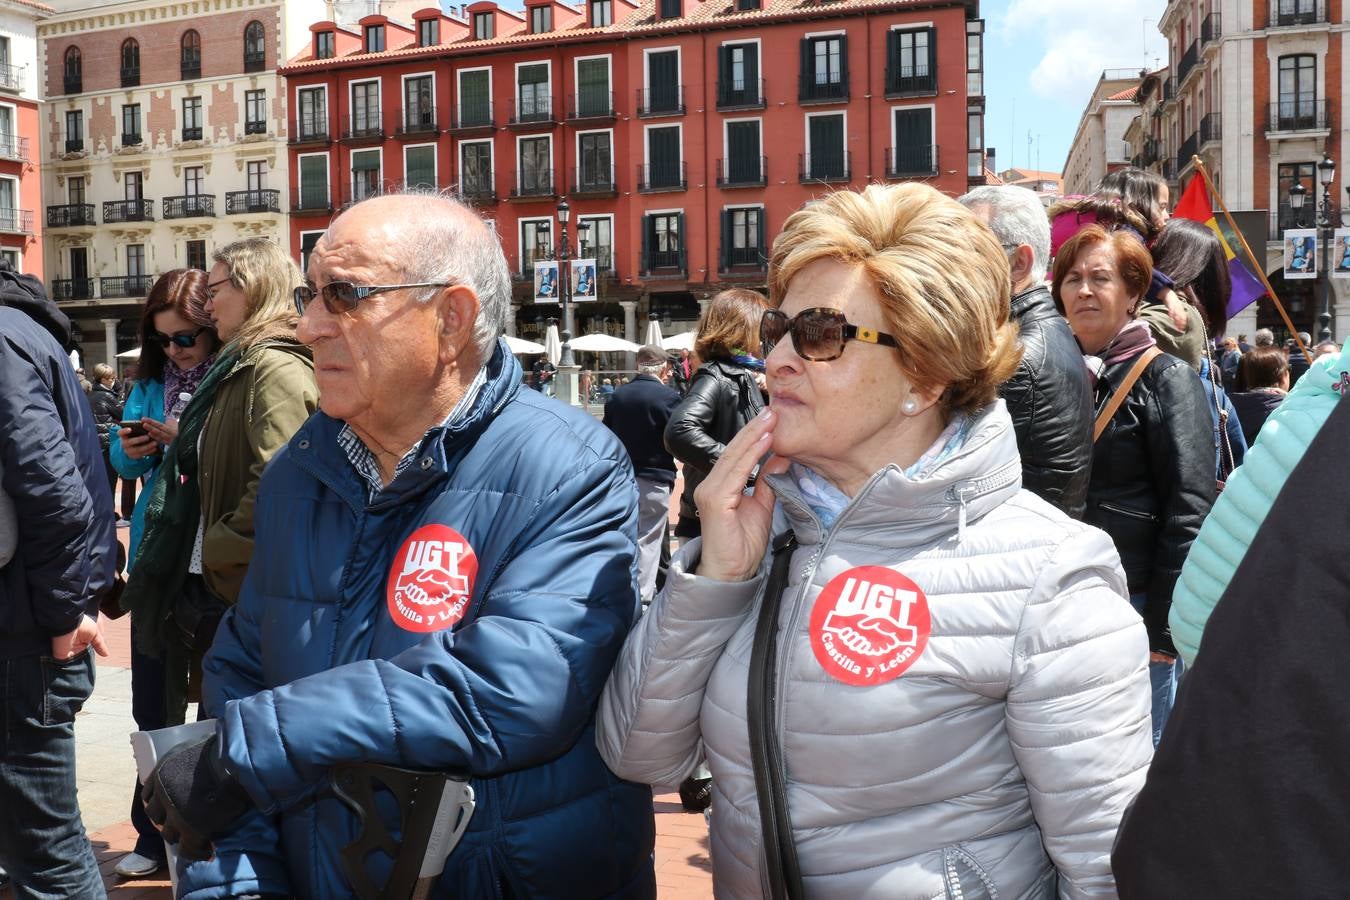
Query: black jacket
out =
(1153, 479)
(107, 411)
(638, 414)
(1253, 408)
(722, 397)
(1246, 793)
(1050, 401)
(54, 473)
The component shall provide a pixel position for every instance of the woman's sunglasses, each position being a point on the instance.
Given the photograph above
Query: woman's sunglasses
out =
(184, 339)
(343, 296)
(818, 334)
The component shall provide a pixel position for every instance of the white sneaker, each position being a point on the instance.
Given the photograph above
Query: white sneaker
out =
(133, 865)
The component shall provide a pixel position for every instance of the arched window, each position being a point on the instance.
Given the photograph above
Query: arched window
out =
(190, 59)
(255, 47)
(131, 63)
(74, 71)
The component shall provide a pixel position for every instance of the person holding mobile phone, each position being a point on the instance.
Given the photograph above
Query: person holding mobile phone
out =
(178, 346)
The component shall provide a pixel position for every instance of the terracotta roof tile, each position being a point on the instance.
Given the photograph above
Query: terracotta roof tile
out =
(33, 4)
(1127, 94)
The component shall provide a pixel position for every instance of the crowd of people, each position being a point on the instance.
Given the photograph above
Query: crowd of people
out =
(960, 497)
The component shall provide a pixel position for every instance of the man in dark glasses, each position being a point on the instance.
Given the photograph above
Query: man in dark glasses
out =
(443, 574)
(1049, 397)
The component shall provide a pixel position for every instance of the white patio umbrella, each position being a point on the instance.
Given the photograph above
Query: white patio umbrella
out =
(133, 353)
(553, 345)
(653, 333)
(520, 345)
(682, 341)
(75, 360)
(603, 343)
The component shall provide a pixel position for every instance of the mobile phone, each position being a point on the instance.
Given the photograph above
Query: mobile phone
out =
(137, 429)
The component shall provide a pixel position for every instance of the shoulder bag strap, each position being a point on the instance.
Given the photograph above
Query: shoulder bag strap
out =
(766, 753)
(1121, 392)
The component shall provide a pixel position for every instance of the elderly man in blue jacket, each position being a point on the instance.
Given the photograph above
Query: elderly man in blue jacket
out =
(442, 579)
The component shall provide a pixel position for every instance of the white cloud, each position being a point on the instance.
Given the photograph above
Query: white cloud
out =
(1077, 39)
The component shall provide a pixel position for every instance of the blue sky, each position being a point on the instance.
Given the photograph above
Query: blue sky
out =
(1042, 59)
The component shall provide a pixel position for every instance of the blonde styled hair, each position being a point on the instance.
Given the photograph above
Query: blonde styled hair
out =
(942, 276)
(102, 372)
(268, 277)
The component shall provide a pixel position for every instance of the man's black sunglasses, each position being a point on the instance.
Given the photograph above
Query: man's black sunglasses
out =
(184, 339)
(818, 333)
(343, 296)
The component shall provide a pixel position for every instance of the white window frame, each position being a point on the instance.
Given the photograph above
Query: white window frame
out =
(576, 71)
(18, 201)
(553, 171)
(14, 120)
(576, 152)
(733, 207)
(726, 143)
(515, 87)
(351, 168)
(319, 231)
(327, 107)
(459, 159)
(18, 257)
(403, 93)
(612, 235)
(459, 84)
(327, 182)
(894, 108)
(435, 162)
(646, 143)
(351, 96)
(520, 237)
(806, 128)
(647, 71)
(759, 58)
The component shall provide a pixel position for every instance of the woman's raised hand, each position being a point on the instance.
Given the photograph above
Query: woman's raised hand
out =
(163, 432)
(735, 525)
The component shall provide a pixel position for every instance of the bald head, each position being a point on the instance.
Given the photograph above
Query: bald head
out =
(434, 238)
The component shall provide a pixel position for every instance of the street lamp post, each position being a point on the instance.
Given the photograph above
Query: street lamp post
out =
(567, 367)
(1326, 174)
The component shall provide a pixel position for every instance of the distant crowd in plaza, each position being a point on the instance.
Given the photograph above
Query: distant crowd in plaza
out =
(999, 568)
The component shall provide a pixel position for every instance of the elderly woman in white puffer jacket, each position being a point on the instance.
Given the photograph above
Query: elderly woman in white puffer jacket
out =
(932, 683)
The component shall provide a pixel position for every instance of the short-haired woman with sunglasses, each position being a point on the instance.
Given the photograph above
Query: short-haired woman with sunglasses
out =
(257, 394)
(178, 346)
(910, 677)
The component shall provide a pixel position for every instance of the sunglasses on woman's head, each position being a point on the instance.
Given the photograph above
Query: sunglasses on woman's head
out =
(343, 296)
(818, 334)
(184, 339)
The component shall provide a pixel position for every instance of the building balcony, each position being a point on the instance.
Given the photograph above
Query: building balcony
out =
(1189, 147)
(255, 126)
(417, 120)
(14, 147)
(1189, 60)
(189, 206)
(73, 84)
(653, 179)
(255, 62)
(532, 184)
(824, 167)
(1211, 128)
(744, 260)
(660, 101)
(368, 127)
(192, 134)
(121, 211)
(125, 286)
(1211, 29)
(73, 215)
(479, 190)
(668, 263)
(259, 201)
(72, 289)
(527, 112)
(911, 162)
(1152, 151)
(1170, 168)
(733, 95)
(1169, 90)
(311, 199)
(742, 172)
(810, 91)
(132, 139)
(75, 145)
(591, 106)
(468, 118)
(910, 81)
(1298, 13)
(593, 181)
(11, 77)
(1298, 116)
(190, 68)
(309, 130)
(131, 76)
(16, 221)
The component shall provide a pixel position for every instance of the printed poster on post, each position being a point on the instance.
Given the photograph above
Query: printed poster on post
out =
(1340, 254)
(1300, 253)
(545, 282)
(583, 280)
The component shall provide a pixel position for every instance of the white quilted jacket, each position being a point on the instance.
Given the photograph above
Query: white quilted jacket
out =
(997, 765)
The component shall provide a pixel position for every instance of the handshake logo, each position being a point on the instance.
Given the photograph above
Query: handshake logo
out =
(431, 580)
(869, 625)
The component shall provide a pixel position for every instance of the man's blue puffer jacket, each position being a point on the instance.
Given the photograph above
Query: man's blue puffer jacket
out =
(311, 669)
(1248, 496)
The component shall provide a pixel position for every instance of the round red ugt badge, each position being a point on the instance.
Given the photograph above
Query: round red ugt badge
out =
(869, 625)
(431, 579)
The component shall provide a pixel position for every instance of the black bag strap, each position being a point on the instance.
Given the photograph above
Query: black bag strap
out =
(766, 753)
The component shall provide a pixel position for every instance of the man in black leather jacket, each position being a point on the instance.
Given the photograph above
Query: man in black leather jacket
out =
(1050, 395)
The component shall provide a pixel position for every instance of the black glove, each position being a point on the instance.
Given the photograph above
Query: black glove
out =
(193, 799)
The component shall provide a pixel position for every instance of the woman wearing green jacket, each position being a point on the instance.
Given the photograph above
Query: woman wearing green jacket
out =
(260, 391)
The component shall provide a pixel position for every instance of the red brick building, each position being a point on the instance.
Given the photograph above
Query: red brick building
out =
(681, 133)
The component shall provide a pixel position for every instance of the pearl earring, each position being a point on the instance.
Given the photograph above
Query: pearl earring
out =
(910, 406)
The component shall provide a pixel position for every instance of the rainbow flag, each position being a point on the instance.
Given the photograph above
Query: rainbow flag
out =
(1194, 205)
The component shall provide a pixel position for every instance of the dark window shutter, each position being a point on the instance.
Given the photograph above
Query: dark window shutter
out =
(752, 71)
(726, 240)
(759, 236)
(932, 56)
(807, 76)
(892, 60)
(723, 73)
(843, 63)
(648, 224)
(679, 231)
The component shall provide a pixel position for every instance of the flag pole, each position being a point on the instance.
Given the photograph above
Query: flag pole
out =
(1260, 269)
